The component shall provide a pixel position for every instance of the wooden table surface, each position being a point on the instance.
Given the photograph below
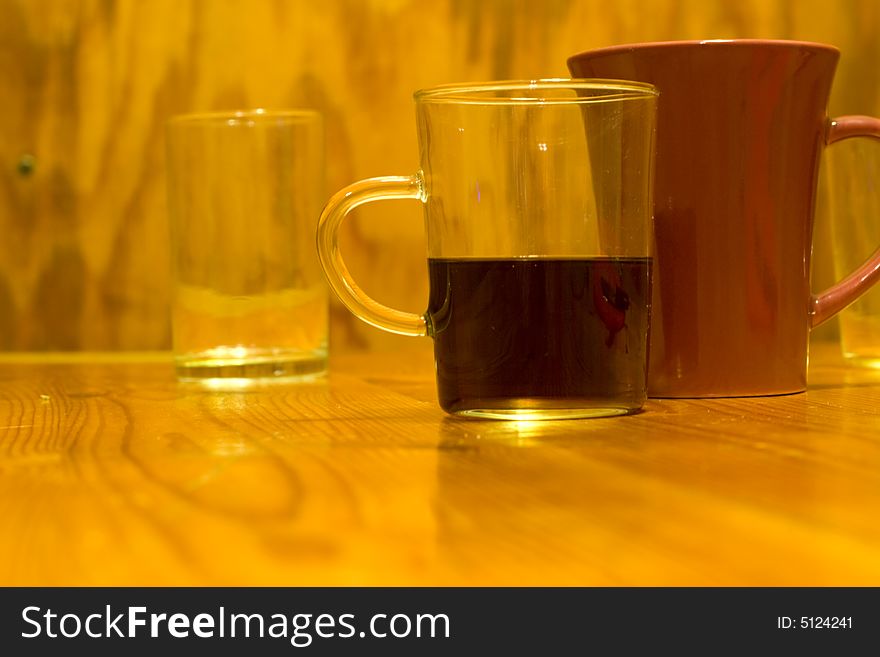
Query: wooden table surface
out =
(111, 473)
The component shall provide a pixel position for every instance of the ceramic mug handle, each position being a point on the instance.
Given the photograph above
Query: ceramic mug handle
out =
(837, 297)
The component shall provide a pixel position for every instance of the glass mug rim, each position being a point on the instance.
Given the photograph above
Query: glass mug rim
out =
(685, 44)
(246, 117)
(481, 93)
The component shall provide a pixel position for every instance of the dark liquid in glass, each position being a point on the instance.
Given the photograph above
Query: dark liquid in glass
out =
(521, 336)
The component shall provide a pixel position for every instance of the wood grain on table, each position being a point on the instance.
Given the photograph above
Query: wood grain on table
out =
(112, 473)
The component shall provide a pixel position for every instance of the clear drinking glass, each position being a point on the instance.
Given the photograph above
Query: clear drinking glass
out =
(853, 171)
(537, 204)
(249, 300)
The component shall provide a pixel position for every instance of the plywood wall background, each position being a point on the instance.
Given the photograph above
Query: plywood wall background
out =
(86, 86)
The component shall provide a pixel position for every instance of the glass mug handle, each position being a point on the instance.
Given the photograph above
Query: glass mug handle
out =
(841, 294)
(352, 296)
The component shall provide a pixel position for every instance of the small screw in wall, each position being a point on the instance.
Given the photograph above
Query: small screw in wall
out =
(26, 165)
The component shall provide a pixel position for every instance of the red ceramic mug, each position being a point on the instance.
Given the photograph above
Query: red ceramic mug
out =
(740, 131)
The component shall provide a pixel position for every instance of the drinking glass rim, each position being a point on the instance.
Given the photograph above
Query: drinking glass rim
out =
(245, 116)
(710, 43)
(473, 93)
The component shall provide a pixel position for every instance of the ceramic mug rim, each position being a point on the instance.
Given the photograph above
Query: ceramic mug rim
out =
(691, 44)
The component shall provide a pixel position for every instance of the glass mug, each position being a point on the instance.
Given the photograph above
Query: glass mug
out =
(540, 287)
